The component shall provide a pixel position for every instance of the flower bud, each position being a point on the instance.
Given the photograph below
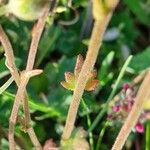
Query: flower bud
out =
(27, 10)
(139, 127)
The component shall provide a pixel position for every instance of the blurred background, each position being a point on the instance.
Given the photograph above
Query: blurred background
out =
(66, 35)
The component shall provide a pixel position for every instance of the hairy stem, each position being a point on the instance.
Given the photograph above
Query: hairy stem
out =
(22, 87)
(131, 120)
(34, 138)
(14, 113)
(25, 76)
(19, 141)
(95, 42)
(10, 62)
(36, 35)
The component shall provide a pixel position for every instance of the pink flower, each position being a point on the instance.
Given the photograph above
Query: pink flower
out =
(125, 86)
(127, 107)
(139, 127)
(116, 108)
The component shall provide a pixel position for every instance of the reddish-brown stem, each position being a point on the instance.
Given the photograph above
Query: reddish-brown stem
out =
(14, 113)
(36, 35)
(22, 84)
(22, 87)
(94, 45)
(10, 62)
(25, 76)
(19, 141)
(33, 138)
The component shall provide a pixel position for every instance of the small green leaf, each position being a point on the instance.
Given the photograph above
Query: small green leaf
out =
(68, 86)
(104, 73)
(60, 9)
(136, 7)
(141, 61)
(47, 43)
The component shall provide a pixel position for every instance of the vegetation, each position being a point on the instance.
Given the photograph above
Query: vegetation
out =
(85, 81)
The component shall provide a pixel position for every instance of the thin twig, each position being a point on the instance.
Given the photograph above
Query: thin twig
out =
(23, 82)
(30, 62)
(36, 35)
(15, 74)
(38, 29)
(133, 116)
(35, 40)
(139, 78)
(10, 62)
(14, 113)
(33, 138)
(6, 85)
(19, 141)
(95, 42)
(25, 76)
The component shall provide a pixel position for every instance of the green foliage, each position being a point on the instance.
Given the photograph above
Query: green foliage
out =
(141, 61)
(138, 9)
(128, 33)
(103, 75)
(47, 43)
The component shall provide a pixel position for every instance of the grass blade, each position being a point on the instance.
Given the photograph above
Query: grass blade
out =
(104, 109)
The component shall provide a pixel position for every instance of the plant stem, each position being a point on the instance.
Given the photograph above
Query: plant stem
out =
(104, 109)
(10, 63)
(14, 113)
(36, 35)
(25, 76)
(22, 87)
(38, 29)
(19, 141)
(94, 45)
(147, 136)
(6, 85)
(133, 116)
(34, 138)
(101, 135)
(20, 94)
(35, 106)
(10, 60)
(91, 141)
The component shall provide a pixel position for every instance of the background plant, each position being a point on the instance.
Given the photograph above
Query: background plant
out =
(128, 33)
